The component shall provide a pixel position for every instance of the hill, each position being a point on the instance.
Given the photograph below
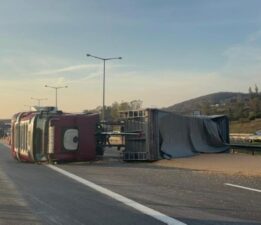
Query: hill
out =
(215, 99)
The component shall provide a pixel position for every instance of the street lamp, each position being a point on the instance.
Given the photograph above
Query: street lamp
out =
(56, 88)
(39, 100)
(103, 92)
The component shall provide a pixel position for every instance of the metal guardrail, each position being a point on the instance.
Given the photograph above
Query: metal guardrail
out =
(244, 137)
(246, 147)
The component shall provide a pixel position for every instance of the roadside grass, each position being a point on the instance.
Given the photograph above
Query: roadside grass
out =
(245, 126)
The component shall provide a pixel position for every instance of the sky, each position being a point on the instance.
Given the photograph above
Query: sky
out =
(172, 50)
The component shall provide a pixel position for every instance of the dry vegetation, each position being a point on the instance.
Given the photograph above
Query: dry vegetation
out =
(245, 127)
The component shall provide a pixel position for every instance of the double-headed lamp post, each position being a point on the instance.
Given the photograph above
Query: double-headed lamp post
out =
(103, 90)
(56, 88)
(39, 100)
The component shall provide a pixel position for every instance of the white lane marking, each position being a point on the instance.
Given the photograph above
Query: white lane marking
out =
(144, 209)
(242, 187)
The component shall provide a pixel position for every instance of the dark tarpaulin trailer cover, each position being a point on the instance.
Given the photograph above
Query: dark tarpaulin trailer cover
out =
(182, 136)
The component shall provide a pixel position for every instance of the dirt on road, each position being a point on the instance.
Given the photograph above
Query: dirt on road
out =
(226, 163)
(240, 164)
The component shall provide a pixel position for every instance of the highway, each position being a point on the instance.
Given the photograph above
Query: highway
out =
(187, 196)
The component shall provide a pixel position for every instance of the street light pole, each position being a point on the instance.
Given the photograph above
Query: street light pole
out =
(103, 93)
(103, 89)
(56, 88)
(56, 97)
(39, 100)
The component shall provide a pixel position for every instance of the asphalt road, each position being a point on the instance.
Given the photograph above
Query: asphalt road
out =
(193, 197)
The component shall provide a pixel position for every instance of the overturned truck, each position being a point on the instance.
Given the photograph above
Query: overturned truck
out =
(51, 135)
(149, 135)
(162, 134)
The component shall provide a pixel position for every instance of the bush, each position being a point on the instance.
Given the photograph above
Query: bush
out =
(244, 120)
(258, 115)
(252, 116)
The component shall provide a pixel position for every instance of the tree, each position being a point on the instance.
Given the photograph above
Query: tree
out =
(124, 106)
(112, 113)
(205, 108)
(250, 92)
(90, 111)
(107, 113)
(136, 104)
(256, 91)
(238, 111)
(115, 110)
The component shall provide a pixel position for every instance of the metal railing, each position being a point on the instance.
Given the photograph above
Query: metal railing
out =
(245, 148)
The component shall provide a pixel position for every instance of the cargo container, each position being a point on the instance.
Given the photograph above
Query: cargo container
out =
(162, 134)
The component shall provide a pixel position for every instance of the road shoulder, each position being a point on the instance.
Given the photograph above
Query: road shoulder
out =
(231, 164)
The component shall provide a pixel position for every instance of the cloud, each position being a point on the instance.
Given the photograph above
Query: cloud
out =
(66, 69)
(157, 88)
(243, 60)
(21, 65)
(78, 73)
(254, 37)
